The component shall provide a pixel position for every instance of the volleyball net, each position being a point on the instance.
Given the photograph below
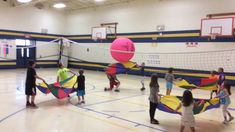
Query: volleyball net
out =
(100, 53)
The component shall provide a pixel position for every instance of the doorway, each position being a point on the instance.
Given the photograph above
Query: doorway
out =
(26, 50)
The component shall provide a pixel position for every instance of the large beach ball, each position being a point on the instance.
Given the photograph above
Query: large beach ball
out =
(122, 49)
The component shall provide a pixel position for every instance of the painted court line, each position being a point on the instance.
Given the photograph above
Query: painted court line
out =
(12, 114)
(20, 110)
(123, 119)
(112, 111)
(138, 111)
(233, 109)
(108, 101)
(116, 117)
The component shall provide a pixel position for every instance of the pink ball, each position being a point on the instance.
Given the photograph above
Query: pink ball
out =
(122, 44)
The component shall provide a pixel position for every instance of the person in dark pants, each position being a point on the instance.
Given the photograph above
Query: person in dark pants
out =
(142, 72)
(81, 87)
(30, 86)
(153, 98)
(113, 81)
(222, 76)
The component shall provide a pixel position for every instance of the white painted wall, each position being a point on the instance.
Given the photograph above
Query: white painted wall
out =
(144, 15)
(47, 51)
(31, 19)
(12, 50)
(44, 50)
(138, 16)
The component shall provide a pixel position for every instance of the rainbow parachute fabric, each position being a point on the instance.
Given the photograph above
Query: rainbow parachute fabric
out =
(118, 68)
(202, 83)
(170, 103)
(59, 90)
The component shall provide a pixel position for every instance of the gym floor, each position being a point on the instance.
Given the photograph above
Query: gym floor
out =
(103, 111)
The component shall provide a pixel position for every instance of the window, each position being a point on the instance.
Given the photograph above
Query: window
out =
(22, 42)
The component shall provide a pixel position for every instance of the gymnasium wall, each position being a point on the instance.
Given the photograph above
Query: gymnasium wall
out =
(47, 54)
(138, 20)
(7, 57)
(145, 15)
(31, 19)
(181, 16)
(19, 22)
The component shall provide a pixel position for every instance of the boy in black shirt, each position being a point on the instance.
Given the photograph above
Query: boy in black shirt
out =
(30, 85)
(81, 86)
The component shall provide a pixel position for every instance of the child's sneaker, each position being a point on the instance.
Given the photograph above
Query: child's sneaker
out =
(28, 104)
(34, 106)
(142, 89)
(107, 89)
(83, 102)
(225, 122)
(154, 122)
(116, 90)
(231, 118)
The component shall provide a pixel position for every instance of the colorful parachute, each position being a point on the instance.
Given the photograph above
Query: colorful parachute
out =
(170, 103)
(203, 83)
(118, 68)
(59, 90)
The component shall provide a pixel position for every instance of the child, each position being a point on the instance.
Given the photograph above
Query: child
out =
(187, 118)
(81, 86)
(113, 81)
(62, 73)
(213, 76)
(30, 86)
(143, 75)
(153, 98)
(221, 76)
(225, 101)
(169, 77)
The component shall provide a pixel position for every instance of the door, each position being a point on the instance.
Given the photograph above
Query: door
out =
(26, 51)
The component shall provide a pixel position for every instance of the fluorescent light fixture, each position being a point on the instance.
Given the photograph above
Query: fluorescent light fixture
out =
(24, 1)
(59, 5)
(99, 0)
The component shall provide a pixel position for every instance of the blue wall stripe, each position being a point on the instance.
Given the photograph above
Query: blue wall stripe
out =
(159, 39)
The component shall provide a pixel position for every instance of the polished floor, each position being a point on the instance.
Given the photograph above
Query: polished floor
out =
(103, 111)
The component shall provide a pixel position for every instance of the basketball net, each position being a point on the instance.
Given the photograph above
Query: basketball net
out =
(213, 36)
(96, 38)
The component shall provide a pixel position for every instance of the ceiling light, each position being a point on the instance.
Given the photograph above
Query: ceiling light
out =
(99, 0)
(24, 1)
(59, 5)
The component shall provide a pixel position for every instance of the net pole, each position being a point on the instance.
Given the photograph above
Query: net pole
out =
(61, 49)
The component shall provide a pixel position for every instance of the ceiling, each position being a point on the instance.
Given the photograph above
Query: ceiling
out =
(70, 4)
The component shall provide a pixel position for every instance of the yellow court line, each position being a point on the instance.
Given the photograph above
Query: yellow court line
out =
(128, 102)
(107, 121)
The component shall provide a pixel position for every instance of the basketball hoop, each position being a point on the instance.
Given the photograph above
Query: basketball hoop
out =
(96, 38)
(213, 36)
